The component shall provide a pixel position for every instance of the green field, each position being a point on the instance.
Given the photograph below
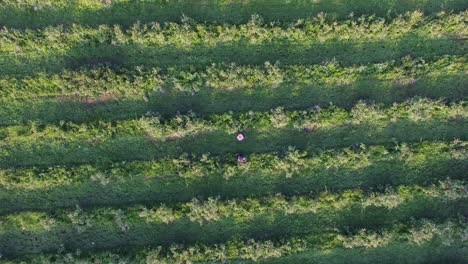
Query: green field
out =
(119, 122)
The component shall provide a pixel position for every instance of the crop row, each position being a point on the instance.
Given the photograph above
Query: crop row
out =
(214, 221)
(413, 235)
(133, 55)
(94, 84)
(108, 107)
(394, 253)
(106, 95)
(114, 48)
(187, 35)
(313, 119)
(179, 180)
(150, 138)
(31, 14)
(214, 209)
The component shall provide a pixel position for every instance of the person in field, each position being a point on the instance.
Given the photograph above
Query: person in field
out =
(240, 157)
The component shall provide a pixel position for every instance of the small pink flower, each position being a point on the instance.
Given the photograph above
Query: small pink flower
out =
(240, 137)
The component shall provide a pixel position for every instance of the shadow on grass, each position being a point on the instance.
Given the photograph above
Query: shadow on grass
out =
(213, 11)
